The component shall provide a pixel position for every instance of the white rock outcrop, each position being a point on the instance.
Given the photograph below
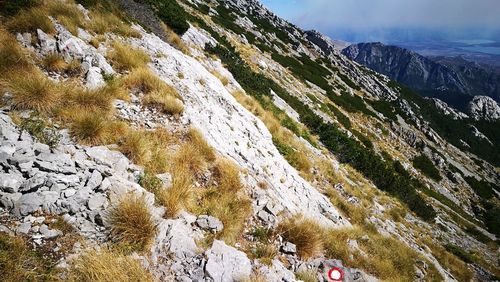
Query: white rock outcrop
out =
(484, 108)
(237, 134)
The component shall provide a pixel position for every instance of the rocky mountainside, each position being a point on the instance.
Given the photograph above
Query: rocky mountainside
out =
(163, 140)
(453, 80)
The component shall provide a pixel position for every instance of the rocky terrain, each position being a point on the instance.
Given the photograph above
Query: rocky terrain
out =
(214, 141)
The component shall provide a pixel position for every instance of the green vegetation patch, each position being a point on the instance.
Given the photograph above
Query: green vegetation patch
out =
(425, 165)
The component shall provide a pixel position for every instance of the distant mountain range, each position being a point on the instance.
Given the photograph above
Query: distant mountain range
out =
(451, 79)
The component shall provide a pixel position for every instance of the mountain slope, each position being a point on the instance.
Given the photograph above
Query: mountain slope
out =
(216, 141)
(454, 81)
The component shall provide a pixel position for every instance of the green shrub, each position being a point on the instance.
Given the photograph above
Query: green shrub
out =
(42, 132)
(459, 252)
(10, 8)
(173, 14)
(425, 165)
(482, 188)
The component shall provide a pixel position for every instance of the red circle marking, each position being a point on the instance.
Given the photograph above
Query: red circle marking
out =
(335, 274)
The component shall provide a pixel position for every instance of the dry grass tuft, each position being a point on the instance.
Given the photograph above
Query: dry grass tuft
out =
(224, 80)
(32, 91)
(355, 214)
(196, 138)
(144, 80)
(179, 196)
(95, 128)
(12, 56)
(164, 101)
(305, 233)
(54, 62)
(104, 22)
(126, 57)
(385, 257)
(136, 146)
(226, 201)
(18, 262)
(107, 266)
(175, 40)
(132, 225)
(66, 13)
(458, 268)
(30, 20)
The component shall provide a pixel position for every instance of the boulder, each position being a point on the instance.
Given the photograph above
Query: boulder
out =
(103, 155)
(49, 233)
(47, 44)
(225, 263)
(10, 182)
(95, 180)
(209, 223)
(94, 78)
(288, 248)
(28, 203)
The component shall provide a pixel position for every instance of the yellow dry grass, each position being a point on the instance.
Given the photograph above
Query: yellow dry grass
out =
(224, 80)
(382, 256)
(226, 200)
(12, 57)
(31, 90)
(175, 40)
(125, 57)
(458, 268)
(103, 22)
(132, 226)
(305, 233)
(165, 102)
(107, 266)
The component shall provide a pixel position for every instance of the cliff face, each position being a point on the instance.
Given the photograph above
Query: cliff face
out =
(237, 147)
(453, 80)
(406, 67)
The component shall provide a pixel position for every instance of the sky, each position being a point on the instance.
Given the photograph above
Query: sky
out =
(392, 20)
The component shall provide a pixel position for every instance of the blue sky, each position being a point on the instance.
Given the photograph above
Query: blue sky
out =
(388, 19)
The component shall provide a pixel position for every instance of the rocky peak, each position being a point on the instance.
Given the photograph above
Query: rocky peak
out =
(484, 108)
(447, 110)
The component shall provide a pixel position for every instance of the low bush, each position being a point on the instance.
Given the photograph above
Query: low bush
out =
(41, 131)
(172, 14)
(132, 226)
(425, 165)
(341, 118)
(107, 266)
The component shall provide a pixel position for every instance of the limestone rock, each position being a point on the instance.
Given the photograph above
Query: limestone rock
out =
(225, 263)
(209, 223)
